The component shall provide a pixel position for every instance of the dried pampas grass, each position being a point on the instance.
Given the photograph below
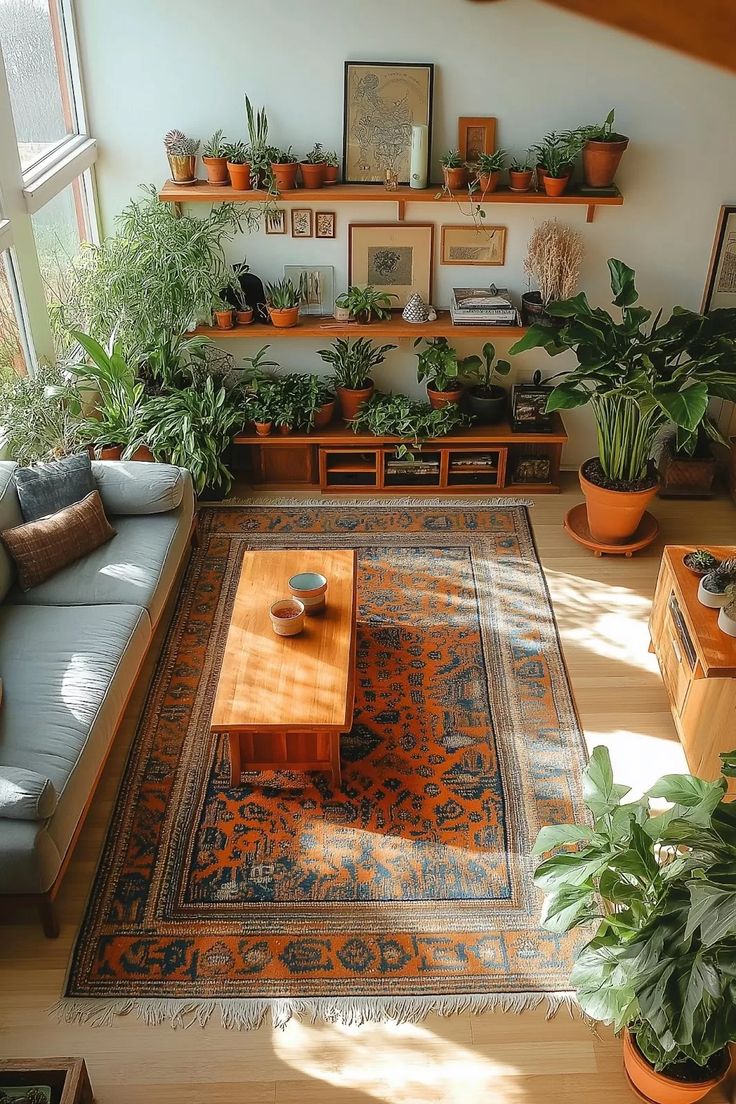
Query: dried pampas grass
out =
(553, 260)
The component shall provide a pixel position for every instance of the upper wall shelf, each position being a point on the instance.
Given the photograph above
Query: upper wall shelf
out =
(394, 327)
(202, 192)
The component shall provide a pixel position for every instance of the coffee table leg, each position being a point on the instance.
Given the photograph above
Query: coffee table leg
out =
(235, 759)
(335, 759)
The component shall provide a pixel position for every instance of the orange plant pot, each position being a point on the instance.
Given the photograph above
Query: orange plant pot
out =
(656, 1086)
(330, 174)
(284, 319)
(456, 179)
(216, 170)
(520, 181)
(601, 161)
(244, 317)
(284, 176)
(555, 185)
(313, 176)
(440, 399)
(263, 429)
(351, 401)
(614, 516)
(239, 177)
(489, 181)
(144, 455)
(324, 415)
(223, 319)
(111, 452)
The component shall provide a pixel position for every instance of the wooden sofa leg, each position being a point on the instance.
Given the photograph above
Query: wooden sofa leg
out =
(49, 919)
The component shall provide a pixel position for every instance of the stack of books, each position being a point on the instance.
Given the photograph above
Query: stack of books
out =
(413, 467)
(489, 306)
(474, 464)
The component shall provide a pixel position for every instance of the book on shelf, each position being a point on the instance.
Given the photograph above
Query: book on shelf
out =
(483, 306)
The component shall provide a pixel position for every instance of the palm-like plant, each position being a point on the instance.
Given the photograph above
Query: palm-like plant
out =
(353, 362)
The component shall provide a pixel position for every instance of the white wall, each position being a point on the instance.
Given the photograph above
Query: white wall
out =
(151, 65)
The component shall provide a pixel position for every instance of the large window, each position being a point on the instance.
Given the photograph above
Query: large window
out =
(12, 346)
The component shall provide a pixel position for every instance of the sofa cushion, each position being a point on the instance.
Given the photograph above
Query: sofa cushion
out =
(10, 516)
(130, 487)
(138, 566)
(25, 795)
(45, 488)
(41, 548)
(67, 673)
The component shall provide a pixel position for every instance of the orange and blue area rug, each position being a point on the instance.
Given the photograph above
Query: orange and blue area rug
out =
(407, 890)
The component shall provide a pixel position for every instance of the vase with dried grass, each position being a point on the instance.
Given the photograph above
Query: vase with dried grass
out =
(553, 260)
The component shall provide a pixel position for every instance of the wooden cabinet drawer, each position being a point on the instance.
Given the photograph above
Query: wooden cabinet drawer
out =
(673, 663)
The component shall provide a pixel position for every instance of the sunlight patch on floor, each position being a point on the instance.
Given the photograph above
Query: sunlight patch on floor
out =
(639, 760)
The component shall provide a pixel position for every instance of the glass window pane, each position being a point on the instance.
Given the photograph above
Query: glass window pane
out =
(34, 49)
(12, 355)
(59, 228)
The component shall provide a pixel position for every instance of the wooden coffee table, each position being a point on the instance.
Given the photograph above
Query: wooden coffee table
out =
(284, 701)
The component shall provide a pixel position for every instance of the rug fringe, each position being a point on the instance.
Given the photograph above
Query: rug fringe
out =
(376, 500)
(247, 1014)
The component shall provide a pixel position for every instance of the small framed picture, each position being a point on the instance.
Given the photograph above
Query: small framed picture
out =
(720, 284)
(324, 224)
(301, 222)
(393, 257)
(275, 221)
(475, 134)
(473, 245)
(529, 408)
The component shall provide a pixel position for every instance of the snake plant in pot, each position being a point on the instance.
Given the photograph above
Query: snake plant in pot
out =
(638, 381)
(661, 891)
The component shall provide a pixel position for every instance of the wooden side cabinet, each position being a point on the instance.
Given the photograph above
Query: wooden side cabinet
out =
(697, 661)
(66, 1077)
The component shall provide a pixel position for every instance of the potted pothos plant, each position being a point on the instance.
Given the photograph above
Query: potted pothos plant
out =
(399, 416)
(353, 364)
(439, 366)
(660, 889)
(603, 149)
(365, 303)
(485, 399)
(638, 381)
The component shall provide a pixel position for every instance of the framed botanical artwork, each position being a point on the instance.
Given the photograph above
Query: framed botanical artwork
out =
(529, 408)
(473, 245)
(394, 257)
(316, 285)
(324, 224)
(275, 221)
(475, 134)
(301, 222)
(720, 285)
(383, 101)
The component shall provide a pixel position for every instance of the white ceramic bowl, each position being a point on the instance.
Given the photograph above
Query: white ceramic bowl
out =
(709, 599)
(310, 588)
(287, 617)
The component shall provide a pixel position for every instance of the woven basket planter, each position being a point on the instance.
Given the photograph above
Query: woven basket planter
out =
(686, 476)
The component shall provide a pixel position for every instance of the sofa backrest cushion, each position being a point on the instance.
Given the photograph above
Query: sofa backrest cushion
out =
(10, 516)
(25, 795)
(46, 488)
(137, 487)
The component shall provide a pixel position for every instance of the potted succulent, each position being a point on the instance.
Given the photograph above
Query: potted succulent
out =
(603, 149)
(659, 888)
(238, 166)
(400, 416)
(439, 366)
(727, 613)
(553, 260)
(284, 168)
(182, 154)
(555, 157)
(521, 174)
(700, 562)
(486, 400)
(713, 589)
(331, 167)
(454, 171)
(214, 159)
(638, 382)
(352, 364)
(282, 303)
(222, 313)
(365, 304)
(313, 167)
(488, 169)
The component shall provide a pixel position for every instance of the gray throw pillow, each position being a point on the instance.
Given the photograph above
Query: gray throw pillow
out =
(47, 488)
(25, 795)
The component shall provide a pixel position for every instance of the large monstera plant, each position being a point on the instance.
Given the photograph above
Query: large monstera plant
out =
(660, 888)
(639, 375)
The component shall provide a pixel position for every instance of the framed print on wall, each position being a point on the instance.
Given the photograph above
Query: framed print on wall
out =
(382, 101)
(301, 222)
(275, 221)
(394, 257)
(324, 224)
(720, 285)
(473, 245)
(475, 134)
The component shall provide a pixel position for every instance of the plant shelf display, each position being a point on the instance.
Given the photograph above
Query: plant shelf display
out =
(394, 327)
(474, 460)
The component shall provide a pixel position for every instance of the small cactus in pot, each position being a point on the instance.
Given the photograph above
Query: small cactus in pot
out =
(701, 562)
(182, 154)
(713, 590)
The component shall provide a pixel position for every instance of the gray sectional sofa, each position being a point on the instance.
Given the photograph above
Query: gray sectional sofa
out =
(70, 652)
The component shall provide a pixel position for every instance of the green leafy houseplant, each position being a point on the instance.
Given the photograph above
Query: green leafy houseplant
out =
(451, 160)
(660, 888)
(366, 303)
(399, 416)
(485, 399)
(237, 153)
(303, 395)
(557, 152)
(216, 146)
(603, 148)
(354, 362)
(316, 155)
(282, 295)
(37, 423)
(440, 367)
(602, 132)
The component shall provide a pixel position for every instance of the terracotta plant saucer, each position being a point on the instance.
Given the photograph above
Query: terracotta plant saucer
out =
(576, 523)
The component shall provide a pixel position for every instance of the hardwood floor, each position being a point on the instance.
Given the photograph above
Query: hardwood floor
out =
(602, 607)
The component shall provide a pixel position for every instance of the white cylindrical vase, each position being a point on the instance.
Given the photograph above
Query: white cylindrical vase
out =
(419, 156)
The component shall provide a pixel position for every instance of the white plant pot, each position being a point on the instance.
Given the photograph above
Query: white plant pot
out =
(709, 599)
(726, 623)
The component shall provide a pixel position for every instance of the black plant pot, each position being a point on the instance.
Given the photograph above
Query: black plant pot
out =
(487, 405)
(532, 310)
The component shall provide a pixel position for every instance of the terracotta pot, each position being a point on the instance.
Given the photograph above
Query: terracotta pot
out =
(284, 319)
(489, 181)
(313, 176)
(223, 319)
(324, 415)
(239, 177)
(600, 162)
(284, 176)
(285, 430)
(330, 174)
(656, 1086)
(111, 452)
(555, 185)
(216, 170)
(614, 516)
(520, 181)
(263, 429)
(144, 455)
(456, 179)
(351, 401)
(439, 399)
(244, 317)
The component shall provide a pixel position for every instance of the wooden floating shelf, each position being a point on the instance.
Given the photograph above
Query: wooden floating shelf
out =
(393, 327)
(337, 435)
(202, 192)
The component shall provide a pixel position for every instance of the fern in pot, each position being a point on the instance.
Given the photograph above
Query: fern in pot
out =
(661, 892)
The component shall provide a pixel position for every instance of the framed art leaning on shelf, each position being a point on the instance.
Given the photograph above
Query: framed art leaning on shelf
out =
(394, 257)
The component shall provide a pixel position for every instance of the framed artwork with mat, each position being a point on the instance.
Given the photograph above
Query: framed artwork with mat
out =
(393, 257)
(473, 245)
(720, 285)
(475, 134)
